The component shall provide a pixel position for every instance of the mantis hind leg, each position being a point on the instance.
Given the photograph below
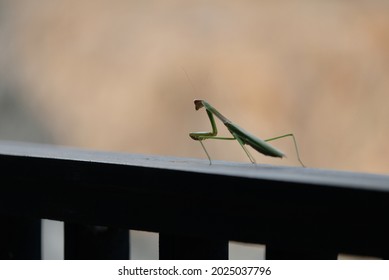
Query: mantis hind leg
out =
(295, 144)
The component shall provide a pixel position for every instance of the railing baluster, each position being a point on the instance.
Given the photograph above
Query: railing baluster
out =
(284, 252)
(174, 247)
(95, 242)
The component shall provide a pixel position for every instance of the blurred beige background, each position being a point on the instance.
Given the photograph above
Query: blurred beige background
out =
(107, 75)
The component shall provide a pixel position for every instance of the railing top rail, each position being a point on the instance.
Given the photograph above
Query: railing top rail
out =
(312, 176)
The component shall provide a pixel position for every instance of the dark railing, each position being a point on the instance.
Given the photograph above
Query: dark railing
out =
(298, 213)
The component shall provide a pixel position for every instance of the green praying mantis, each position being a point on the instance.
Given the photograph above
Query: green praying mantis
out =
(243, 137)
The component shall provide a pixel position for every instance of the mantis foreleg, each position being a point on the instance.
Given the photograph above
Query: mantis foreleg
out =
(200, 136)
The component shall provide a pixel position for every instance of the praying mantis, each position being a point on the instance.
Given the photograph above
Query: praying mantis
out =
(243, 137)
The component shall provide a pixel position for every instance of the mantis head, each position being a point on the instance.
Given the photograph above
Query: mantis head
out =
(198, 104)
